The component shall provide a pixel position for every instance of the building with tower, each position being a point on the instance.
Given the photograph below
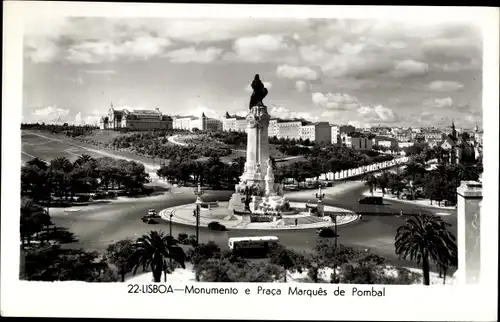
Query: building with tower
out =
(234, 123)
(135, 120)
(202, 123)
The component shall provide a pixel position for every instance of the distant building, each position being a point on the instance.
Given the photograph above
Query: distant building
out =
(290, 129)
(357, 141)
(273, 128)
(335, 133)
(317, 132)
(135, 120)
(346, 129)
(432, 135)
(402, 145)
(201, 123)
(478, 136)
(234, 123)
(403, 136)
(384, 141)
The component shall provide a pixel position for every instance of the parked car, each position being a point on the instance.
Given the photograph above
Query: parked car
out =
(371, 201)
(151, 221)
(215, 225)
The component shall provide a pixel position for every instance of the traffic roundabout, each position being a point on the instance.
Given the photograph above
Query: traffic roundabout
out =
(219, 212)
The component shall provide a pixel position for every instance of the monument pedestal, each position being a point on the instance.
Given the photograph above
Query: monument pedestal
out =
(235, 202)
(469, 200)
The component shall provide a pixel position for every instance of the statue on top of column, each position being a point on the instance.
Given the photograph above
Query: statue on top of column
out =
(259, 92)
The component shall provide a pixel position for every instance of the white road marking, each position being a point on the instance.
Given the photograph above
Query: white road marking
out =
(31, 156)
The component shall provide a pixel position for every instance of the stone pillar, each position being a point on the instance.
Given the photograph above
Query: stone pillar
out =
(469, 197)
(257, 144)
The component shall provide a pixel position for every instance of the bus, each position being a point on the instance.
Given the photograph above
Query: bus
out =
(247, 243)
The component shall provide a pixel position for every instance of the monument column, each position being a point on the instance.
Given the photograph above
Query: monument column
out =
(469, 197)
(263, 138)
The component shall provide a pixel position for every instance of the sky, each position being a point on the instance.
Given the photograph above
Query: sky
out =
(361, 72)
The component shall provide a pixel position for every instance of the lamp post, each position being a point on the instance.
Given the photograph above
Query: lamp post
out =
(320, 208)
(320, 195)
(198, 193)
(170, 223)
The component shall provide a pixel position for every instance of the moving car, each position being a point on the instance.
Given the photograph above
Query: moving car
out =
(151, 213)
(371, 201)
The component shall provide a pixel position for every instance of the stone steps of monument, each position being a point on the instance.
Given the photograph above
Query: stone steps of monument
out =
(302, 221)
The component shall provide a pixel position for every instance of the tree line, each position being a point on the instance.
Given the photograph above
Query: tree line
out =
(61, 179)
(65, 129)
(437, 184)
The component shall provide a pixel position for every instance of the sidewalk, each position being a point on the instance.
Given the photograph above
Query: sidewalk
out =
(419, 202)
(185, 215)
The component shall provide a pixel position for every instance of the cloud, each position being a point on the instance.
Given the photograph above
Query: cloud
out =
(141, 47)
(410, 67)
(457, 66)
(302, 86)
(377, 113)
(100, 71)
(293, 72)
(284, 113)
(203, 109)
(439, 102)
(49, 114)
(359, 124)
(267, 85)
(193, 55)
(337, 101)
(445, 86)
(259, 49)
(78, 118)
(41, 50)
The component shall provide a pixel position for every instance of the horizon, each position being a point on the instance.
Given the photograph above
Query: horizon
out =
(362, 72)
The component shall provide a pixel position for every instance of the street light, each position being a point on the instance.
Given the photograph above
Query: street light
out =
(198, 193)
(320, 195)
(170, 223)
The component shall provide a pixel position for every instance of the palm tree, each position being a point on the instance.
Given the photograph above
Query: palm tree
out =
(465, 173)
(152, 250)
(84, 158)
(61, 163)
(425, 238)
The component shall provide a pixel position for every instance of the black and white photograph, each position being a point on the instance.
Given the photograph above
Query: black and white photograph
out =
(204, 150)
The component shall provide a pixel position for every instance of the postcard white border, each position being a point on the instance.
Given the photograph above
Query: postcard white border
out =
(73, 299)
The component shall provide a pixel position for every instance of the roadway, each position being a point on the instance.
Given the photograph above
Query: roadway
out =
(97, 226)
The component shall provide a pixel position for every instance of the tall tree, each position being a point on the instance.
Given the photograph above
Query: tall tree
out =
(120, 254)
(425, 238)
(152, 250)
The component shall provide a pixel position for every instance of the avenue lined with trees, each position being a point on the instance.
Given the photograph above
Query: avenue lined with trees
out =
(436, 184)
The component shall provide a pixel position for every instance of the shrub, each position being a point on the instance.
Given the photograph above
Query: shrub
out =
(327, 233)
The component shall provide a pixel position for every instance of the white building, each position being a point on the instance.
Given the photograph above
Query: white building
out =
(202, 123)
(335, 133)
(316, 132)
(289, 129)
(234, 123)
(273, 128)
(405, 144)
